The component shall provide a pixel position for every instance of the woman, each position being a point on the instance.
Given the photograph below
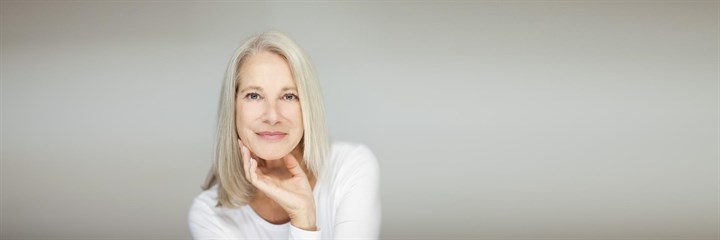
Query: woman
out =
(275, 175)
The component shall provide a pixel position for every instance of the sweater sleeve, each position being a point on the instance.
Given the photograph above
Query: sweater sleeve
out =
(358, 211)
(297, 233)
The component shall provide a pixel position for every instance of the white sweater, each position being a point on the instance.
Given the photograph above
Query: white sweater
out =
(347, 198)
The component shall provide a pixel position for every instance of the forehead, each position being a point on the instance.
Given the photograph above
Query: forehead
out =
(266, 70)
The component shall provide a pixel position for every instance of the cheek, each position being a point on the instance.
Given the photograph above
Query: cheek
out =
(293, 114)
(244, 115)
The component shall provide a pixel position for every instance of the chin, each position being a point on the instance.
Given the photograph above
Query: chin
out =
(271, 151)
(270, 155)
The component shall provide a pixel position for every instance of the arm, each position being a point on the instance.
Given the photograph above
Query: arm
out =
(359, 210)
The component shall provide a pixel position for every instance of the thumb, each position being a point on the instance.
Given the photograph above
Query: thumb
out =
(292, 164)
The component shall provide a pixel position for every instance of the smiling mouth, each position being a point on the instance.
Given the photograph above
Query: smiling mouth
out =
(271, 136)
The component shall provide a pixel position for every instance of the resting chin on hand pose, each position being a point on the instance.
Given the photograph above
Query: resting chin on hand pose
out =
(284, 183)
(275, 174)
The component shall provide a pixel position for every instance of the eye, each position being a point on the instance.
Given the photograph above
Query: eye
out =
(252, 96)
(290, 97)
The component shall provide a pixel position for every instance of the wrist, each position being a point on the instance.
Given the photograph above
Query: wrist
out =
(304, 225)
(305, 221)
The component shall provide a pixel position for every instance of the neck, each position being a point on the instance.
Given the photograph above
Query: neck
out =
(263, 205)
(278, 165)
(268, 209)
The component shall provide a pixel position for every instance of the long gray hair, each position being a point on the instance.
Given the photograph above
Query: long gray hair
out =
(227, 169)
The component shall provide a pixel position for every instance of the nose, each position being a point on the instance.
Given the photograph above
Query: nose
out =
(272, 114)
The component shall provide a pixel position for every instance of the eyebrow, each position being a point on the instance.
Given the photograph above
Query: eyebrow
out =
(260, 89)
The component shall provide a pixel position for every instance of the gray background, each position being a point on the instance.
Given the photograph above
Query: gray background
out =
(495, 120)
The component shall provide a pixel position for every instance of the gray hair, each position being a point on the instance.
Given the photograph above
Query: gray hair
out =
(227, 170)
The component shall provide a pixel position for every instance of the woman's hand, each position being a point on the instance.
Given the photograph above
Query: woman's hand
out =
(294, 193)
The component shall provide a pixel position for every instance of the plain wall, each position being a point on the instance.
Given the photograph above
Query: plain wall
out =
(490, 119)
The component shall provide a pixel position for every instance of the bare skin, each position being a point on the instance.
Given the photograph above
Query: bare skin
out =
(268, 106)
(285, 189)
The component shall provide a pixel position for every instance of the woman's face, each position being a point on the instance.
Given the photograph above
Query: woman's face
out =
(268, 115)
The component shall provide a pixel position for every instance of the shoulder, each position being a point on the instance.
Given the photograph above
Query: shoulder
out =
(206, 221)
(207, 197)
(345, 146)
(203, 206)
(353, 178)
(350, 158)
(350, 153)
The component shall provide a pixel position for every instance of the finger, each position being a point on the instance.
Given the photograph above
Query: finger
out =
(255, 175)
(266, 184)
(252, 174)
(291, 163)
(245, 155)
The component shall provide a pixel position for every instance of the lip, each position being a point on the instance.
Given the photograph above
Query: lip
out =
(271, 135)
